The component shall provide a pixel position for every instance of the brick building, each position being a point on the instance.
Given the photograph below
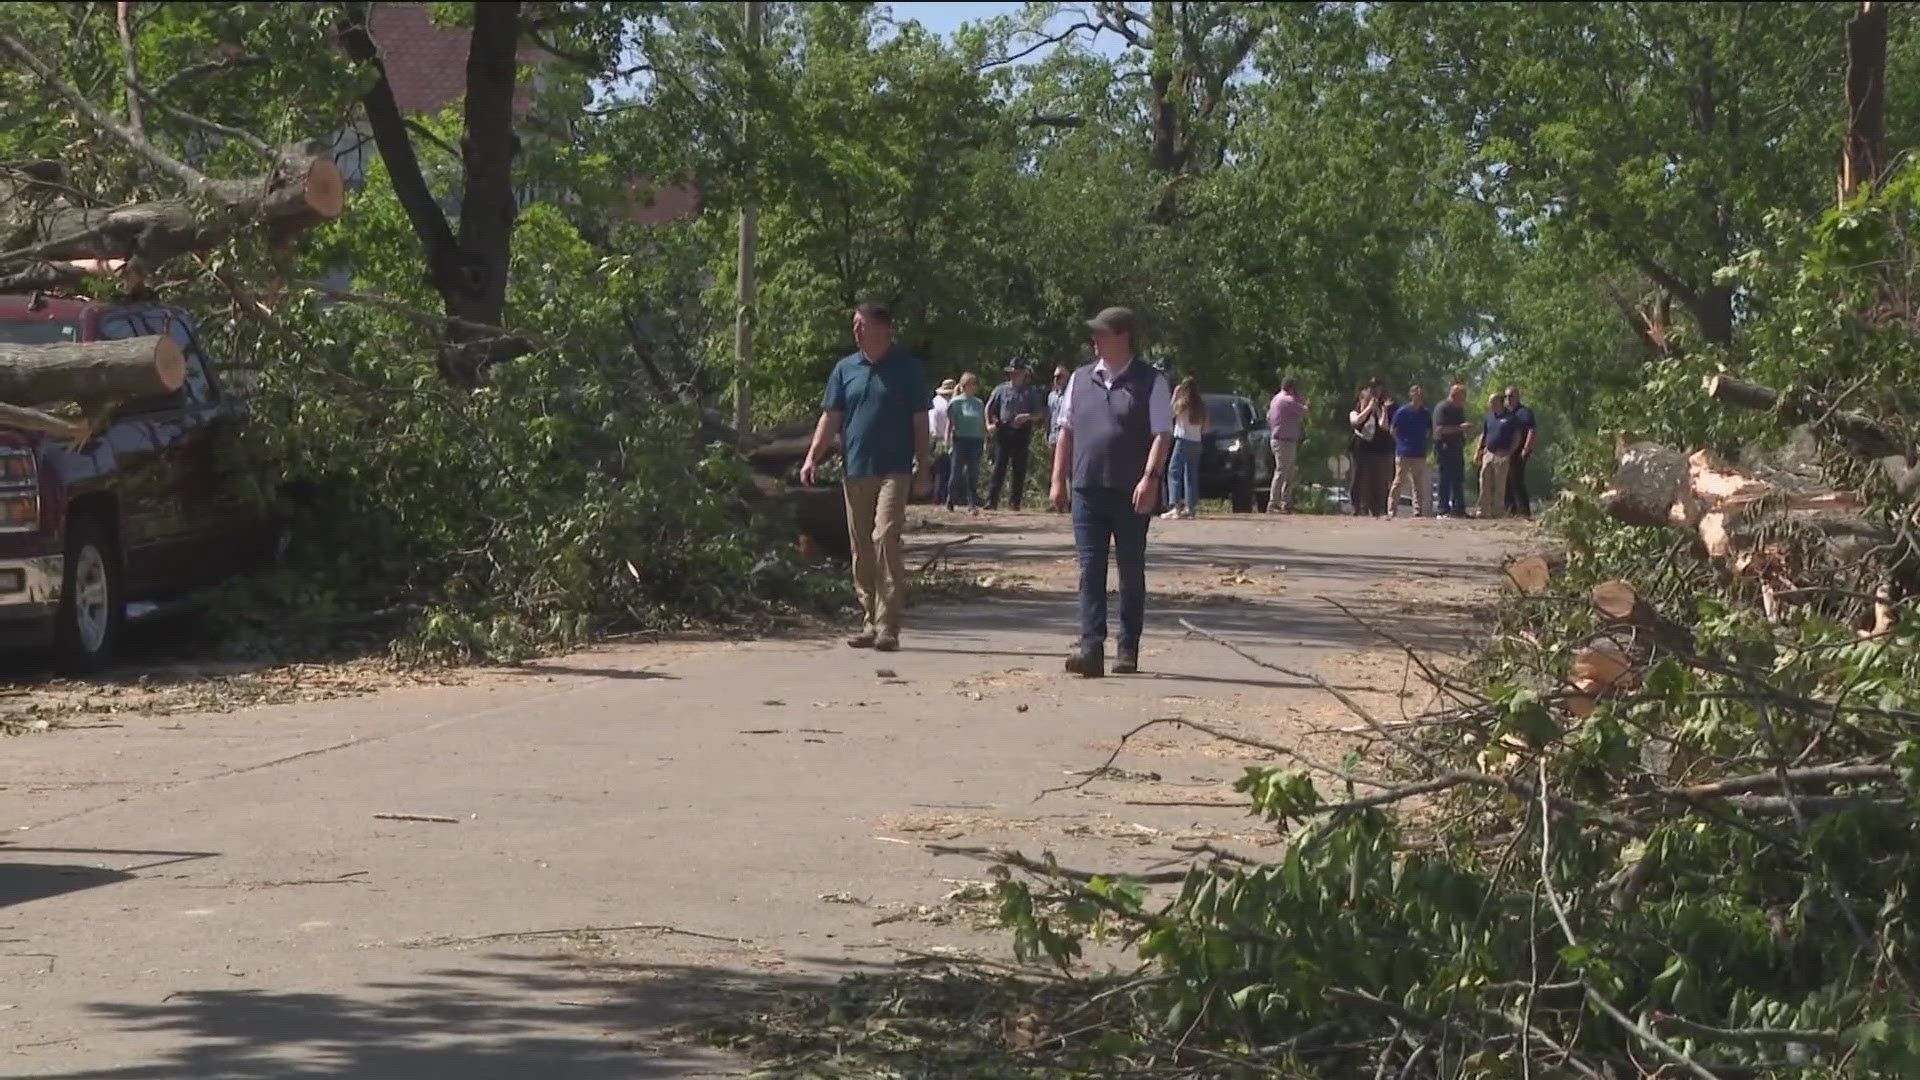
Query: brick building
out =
(427, 68)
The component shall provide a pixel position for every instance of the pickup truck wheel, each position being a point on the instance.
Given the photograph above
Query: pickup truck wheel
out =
(92, 609)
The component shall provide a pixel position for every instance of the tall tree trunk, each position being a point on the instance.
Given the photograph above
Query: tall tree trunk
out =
(1166, 110)
(1712, 309)
(468, 268)
(488, 208)
(1865, 154)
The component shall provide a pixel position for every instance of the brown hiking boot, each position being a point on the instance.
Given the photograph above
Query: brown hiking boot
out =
(888, 641)
(1127, 662)
(865, 639)
(1088, 664)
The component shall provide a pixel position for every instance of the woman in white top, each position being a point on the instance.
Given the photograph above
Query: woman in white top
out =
(1183, 474)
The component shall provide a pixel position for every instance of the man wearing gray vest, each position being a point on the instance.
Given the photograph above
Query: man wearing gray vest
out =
(1116, 429)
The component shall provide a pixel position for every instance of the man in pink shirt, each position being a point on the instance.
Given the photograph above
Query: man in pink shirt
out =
(1286, 418)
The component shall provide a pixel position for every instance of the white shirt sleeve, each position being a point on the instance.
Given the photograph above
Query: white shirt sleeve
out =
(1065, 422)
(1160, 407)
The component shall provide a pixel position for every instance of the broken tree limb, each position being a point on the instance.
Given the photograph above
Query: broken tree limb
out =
(940, 552)
(1859, 433)
(91, 371)
(76, 432)
(303, 189)
(1750, 522)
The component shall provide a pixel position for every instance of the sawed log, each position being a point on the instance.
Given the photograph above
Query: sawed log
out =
(90, 372)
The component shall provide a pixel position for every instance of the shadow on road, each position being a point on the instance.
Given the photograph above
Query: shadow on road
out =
(24, 882)
(503, 1017)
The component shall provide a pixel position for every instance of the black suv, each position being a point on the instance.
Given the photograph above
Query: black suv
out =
(1236, 453)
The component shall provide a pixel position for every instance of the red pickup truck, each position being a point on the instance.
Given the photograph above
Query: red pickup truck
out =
(134, 517)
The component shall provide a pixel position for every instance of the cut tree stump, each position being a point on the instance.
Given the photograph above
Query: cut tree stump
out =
(1599, 671)
(1622, 603)
(92, 371)
(1530, 574)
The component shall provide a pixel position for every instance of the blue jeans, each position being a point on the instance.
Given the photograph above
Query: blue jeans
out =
(1184, 474)
(966, 471)
(1104, 520)
(1453, 479)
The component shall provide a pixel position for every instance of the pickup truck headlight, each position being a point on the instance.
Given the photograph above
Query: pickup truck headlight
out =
(1234, 446)
(19, 491)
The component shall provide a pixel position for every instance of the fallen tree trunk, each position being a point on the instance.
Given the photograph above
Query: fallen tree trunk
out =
(1860, 434)
(1780, 530)
(91, 372)
(62, 244)
(819, 514)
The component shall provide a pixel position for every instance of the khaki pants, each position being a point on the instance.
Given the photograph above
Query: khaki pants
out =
(1493, 485)
(1286, 474)
(1414, 470)
(876, 516)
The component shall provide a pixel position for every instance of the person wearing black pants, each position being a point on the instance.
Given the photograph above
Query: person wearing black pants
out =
(1013, 412)
(1012, 452)
(1525, 429)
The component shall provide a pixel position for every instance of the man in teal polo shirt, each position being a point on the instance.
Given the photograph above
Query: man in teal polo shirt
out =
(877, 402)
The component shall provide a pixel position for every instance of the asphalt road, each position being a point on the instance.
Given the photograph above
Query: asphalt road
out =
(650, 833)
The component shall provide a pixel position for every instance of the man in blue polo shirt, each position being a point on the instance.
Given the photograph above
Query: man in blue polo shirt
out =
(1412, 423)
(877, 401)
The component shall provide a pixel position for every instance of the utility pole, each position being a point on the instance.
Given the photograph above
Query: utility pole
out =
(749, 240)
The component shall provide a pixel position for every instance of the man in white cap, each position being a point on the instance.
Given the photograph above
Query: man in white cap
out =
(942, 440)
(1116, 431)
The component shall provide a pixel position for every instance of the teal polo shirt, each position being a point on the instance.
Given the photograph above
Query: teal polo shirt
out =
(879, 402)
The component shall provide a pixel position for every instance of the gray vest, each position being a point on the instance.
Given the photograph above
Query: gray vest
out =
(1112, 426)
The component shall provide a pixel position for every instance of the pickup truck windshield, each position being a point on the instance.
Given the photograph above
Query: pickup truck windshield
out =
(37, 331)
(1222, 416)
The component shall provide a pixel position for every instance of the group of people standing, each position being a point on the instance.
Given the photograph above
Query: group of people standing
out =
(1115, 426)
(961, 424)
(1391, 442)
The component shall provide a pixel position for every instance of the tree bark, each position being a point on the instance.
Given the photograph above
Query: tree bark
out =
(1865, 156)
(93, 371)
(468, 268)
(1859, 433)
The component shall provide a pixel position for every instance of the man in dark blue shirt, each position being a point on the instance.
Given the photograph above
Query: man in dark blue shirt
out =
(1014, 411)
(1525, 429)
(1496, 440)
(877, 402)
(1412, 424)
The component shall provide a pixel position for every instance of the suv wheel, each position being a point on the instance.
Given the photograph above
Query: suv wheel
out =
(92, 609)
(1243, 493)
